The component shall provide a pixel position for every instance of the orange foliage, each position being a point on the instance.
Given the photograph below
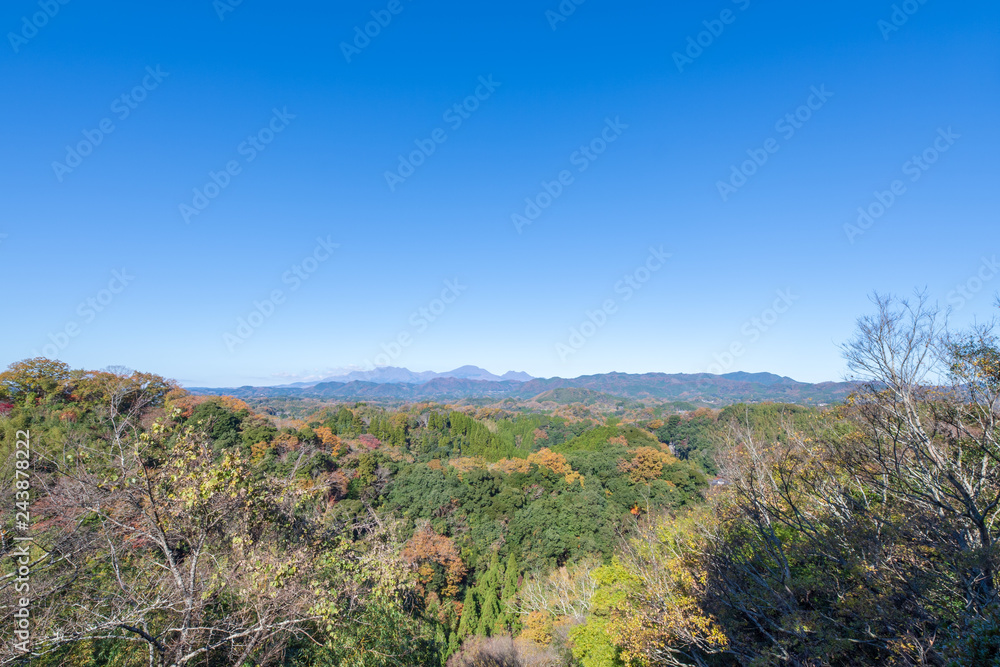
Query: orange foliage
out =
(286, 442)
(426, 547)
(184, 401)
(234, 404)
(557, 463)
(618, 440)
(326, 436)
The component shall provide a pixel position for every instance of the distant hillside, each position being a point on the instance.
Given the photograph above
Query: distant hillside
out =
(701, 388)
(566, 395)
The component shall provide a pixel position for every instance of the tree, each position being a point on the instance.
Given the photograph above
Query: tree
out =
(329, 440)
(426, 549)
(645, 465)
(469, 621)
(508, 594)
(928, 435)
(490, 613)
(184, 557)
(36, 377)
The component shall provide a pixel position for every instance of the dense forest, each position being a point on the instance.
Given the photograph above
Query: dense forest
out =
(176, 529)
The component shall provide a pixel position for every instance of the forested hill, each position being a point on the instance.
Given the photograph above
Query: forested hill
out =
(699, 388)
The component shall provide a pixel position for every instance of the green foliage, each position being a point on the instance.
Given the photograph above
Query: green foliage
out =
(597, 438)
(469, 622)
(695, 438)
(592, 646)
(473, 438)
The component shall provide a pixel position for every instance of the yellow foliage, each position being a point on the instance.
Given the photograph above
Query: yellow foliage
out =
(546, 458)
(538, 627)
(509, 466)
(645, 465)
(467, 463)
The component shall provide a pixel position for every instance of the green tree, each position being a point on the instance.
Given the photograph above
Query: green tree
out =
(469, 622)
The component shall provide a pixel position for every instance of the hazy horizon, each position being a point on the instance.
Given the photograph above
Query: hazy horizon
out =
(340, 372)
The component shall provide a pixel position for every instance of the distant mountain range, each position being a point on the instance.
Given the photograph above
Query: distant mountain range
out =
(394, 375)
(470, 382)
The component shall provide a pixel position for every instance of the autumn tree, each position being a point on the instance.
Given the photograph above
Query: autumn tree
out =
(645, 465)
(328, 439)
(36, 377)
(425, 550)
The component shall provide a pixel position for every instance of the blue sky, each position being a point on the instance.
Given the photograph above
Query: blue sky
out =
(640, 137)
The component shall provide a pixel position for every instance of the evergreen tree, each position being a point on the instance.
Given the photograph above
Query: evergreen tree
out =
(487, 587)
(508, 618)
(469, 622)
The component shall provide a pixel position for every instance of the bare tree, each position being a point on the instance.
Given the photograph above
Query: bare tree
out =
(927, 406)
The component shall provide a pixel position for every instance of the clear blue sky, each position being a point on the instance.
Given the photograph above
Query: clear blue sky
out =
(554, 86)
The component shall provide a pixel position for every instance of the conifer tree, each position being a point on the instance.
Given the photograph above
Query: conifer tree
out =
(487, 589)
(508, 595)
(469, 622)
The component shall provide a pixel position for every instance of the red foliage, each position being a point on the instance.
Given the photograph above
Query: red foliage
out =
(369, 441)
(5, 408)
